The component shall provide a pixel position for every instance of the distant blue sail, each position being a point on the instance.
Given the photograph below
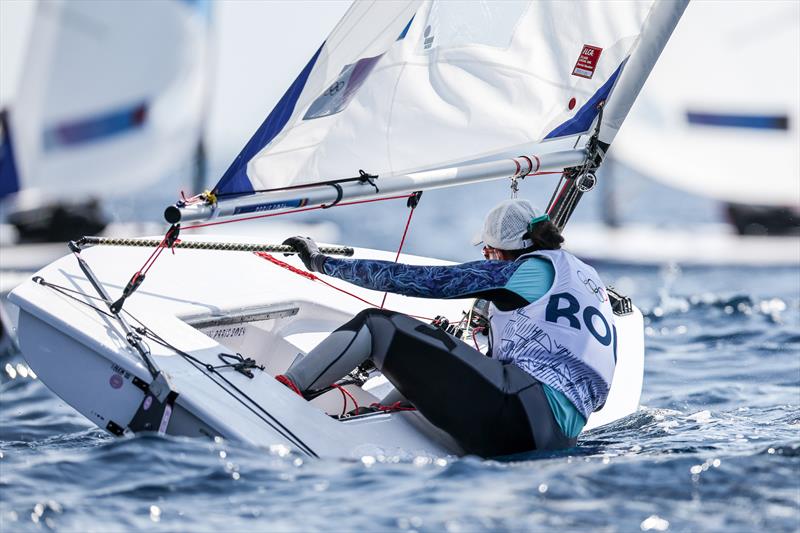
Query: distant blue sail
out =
(723, 120)
(95, 128)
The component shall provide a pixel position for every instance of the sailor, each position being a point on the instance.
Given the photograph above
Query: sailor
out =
(552, 338)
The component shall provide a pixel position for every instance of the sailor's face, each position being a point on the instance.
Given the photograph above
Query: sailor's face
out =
(492, 253)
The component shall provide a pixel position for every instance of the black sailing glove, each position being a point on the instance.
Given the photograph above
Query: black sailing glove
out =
(308, 251)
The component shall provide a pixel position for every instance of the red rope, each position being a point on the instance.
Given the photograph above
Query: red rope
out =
(288, 382)
(346, 394)
(332, 286)
(396, 406)
(400, 248)
(153, 256)
(313, 277)
(558, 198)
(145, 268)
(475, 337)
(274, 260)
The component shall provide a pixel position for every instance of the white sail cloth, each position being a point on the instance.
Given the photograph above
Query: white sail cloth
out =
(721, 116)
(461, 80)
(112, 95)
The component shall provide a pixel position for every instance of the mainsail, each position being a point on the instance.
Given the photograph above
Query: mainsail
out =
(407, 86)
(731, 130)
(111, 99)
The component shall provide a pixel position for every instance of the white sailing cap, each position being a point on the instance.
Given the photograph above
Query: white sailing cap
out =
(506, 224)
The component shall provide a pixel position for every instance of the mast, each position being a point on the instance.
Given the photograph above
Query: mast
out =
(576, 181)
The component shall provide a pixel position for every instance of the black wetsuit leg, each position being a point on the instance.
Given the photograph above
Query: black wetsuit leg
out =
(488, 407)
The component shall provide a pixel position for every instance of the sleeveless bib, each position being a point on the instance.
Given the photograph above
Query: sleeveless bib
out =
(566, 339)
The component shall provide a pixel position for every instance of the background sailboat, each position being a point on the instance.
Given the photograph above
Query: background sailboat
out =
(730, 133)
(111, 100)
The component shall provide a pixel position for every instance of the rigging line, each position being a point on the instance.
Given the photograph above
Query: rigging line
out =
(65, 291)
(314, 277)
(270, 421)
(208, 370)
(211, 245)
(289, 187)
(557, 194)
(153, 256)
(400, 248)
(289, 436)
(301, 210)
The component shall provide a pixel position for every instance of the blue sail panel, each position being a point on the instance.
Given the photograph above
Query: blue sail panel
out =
(725, 120)
(582, 120)
(235, 180)
(9, 178)
(95, 128)
(405, 30)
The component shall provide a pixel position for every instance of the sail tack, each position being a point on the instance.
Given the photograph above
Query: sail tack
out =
(405, 86)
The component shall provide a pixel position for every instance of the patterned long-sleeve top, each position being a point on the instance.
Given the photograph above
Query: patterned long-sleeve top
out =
(507, 284)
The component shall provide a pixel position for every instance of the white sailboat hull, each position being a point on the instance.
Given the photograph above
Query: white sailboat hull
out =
(702, 245)
(205, 303)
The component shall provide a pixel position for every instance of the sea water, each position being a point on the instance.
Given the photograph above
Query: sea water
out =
(714, 446)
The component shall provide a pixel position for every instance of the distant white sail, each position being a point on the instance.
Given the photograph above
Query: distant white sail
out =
(403, 86)
(721, 114)
(112, 96)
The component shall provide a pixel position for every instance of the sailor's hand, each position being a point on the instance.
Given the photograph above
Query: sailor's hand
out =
(308, 251)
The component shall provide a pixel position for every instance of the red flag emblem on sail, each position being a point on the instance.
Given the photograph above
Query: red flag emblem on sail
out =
(587, 61)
